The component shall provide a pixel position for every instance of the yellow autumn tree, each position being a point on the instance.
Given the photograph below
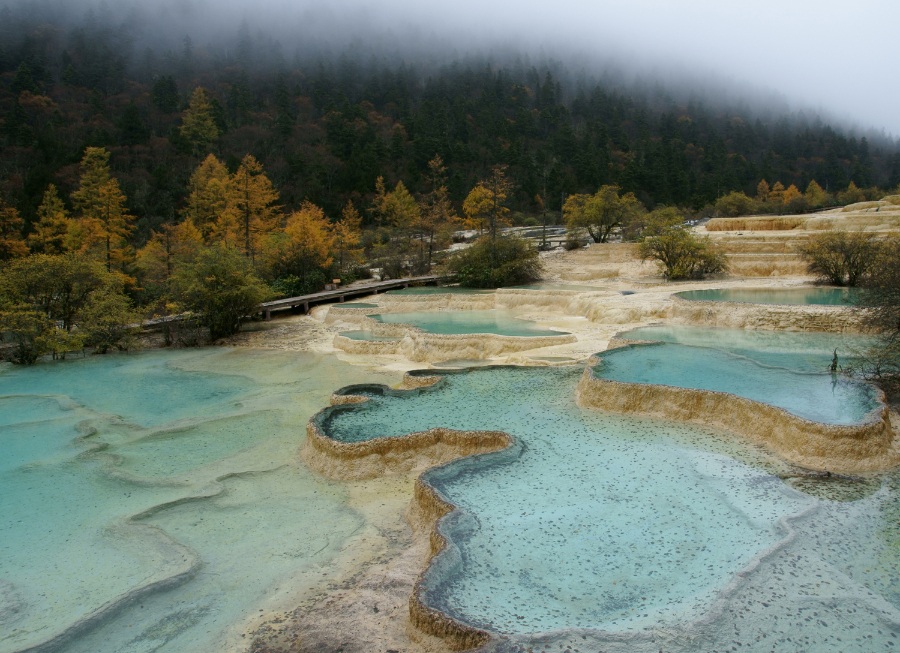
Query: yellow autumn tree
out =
(345, 235)
(51, 231)
(168, 249)
(815, 195)
(485, 204)
(790, 193)
(198, 125)
(308, 243)
(209, 196)
(250, 207)
(436, 213)
(476, 206)
(104, 220)
(12, 245)
(762, 191)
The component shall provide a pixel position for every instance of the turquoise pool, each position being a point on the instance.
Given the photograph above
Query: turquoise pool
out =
(156, 484)
(369, 336)
(599, 532)
(498, 322)
(821, 296)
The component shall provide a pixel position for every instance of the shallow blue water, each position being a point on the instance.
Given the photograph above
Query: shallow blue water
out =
(798, 351)
(368, 336)
(154, 428)
(633, 525)
(821, 296)
(503, 323)
(819, 397)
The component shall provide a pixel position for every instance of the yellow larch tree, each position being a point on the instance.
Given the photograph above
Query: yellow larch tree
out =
(251, 205)
(209, 196)
(345, 235)
(436, 213)
(51, 231)
(309, 241)
(104, 218)
(12, 245)
(198, 125)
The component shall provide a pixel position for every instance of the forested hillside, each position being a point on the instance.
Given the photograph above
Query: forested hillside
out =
(325, 128)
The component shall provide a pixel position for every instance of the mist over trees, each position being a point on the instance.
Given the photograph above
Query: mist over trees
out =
(326, 124)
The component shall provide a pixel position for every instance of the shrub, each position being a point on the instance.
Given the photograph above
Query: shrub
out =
(880, 294)
(293, 286)
(734, 204)
(507, 261)
(532, 222)
(222, 288)
(681, 254)
(839, 257)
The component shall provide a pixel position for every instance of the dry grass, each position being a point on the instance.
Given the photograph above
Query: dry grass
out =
(774, 223)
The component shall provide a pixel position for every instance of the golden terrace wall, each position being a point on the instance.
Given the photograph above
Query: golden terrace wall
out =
(857, 448)
(392, 455)
(793, 317)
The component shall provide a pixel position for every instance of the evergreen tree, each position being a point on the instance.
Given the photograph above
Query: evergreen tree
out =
(165, 94)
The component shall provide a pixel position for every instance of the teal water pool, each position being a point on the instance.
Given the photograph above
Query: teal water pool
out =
(356, 305)
(497, 322)
(819, 397)
(820, 296)
(598, 532)
(161, 477)
(369, 336)
(796, 351)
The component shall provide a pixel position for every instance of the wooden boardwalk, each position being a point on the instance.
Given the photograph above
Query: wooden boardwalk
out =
(342, 293)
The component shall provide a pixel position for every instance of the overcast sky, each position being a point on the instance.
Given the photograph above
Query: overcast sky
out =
(841, 57)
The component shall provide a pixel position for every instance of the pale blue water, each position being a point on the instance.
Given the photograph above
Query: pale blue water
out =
(819, 397)
(356, 305)
(502, 323)
(633, 528)
(822, 296)
(159, 427)
(798, 351)
(368, 336)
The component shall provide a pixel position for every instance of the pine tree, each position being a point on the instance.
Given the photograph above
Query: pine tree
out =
(51, 231)
(165, 94)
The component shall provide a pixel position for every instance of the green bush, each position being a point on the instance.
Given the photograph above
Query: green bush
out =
(506, 261)
(681, 254)
(839, 257)
(293, 286)
(221, 288)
